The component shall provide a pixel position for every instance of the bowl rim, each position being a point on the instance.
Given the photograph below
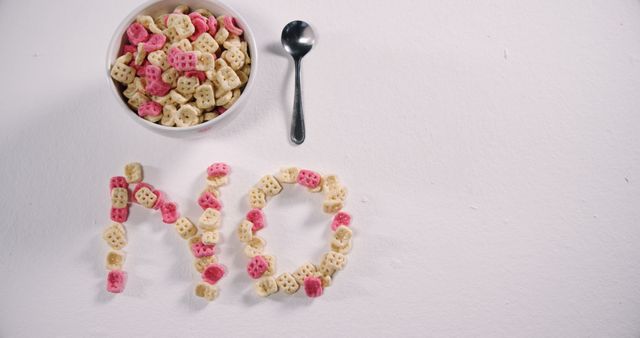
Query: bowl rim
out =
(119, 34)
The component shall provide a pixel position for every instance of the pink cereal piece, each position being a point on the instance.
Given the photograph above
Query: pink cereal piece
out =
(116, 280)
(137, 33)
(231, 25)
(213, 27)
(208, 200)
(157, 88)
(186, 61)
(149, 108)
(218, 169)
(256, 216)
(200, 26)
(141, 69)
(200, 249)
(118, 182)
(221, 110)
(213, 273)
(313, 286)
(169, 211)
(155, 42)
(129, 49)
(172, 57)
(341, 218)
(165, 19)
(308, 178)
(196, 73)
(196, 15)
(119, 215)
(257, 266)
(153, 73)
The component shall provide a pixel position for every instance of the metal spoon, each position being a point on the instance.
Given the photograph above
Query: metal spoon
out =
(297, 39)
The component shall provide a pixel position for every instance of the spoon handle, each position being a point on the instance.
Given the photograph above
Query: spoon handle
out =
(297, 124)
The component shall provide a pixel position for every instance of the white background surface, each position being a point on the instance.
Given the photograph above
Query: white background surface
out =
(491, 149)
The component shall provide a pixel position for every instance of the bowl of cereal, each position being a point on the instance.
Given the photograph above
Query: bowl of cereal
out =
(181, 67)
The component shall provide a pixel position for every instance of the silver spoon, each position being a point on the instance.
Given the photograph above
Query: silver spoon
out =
(297, 39)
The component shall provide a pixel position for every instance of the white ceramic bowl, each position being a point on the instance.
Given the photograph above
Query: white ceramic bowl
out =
(155, 8)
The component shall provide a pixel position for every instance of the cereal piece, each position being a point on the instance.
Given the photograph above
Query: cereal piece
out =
(204, 12)
(205, 43)
(232, 41)
(221, 35)
(145, 196)
(119, 215)
(201, 263)
(200, 25)
(341, 240)
(318, 188)
(181, 9)
(126, 57)
(169, 211)
(186, 61)
(181, 24)
(206, 291)
(255, 246)
(250, 251)
(210, 218)
(287, 283)
(313, 286)
(133, 172)
(186, 116)
(171, 34)
(205, 61)
(153, 119)
(182, 46)
(218, 169)
(257, 198)
(170, 76)
(210, 116)
(137, 99)
(224, 99)
(213, 273)
(212, 190)
(213, 26)
(304, 271)
(116, 280)
(115, 236)
(200, 249)
(204, 96)
(148, 23)
(243, 77)
(115, 260)
(161, 21)
(244, 231)
(266, 286)
(136, 33)
(270, 185)
(159, 58)
(127, 49)
(133, 87)
(256, 216)
(155, 42)
(257, 266)
(217, 181)
(232, 26)
(179, 99)
(119, 197)
(234, 57)
(288, 175)
(227, 78)
(169, 113)
(140, 55)
(234, 98)
(308, 178)
(219, 64)
(187, 85)
(341, 218)
(210, 237)
(332, 206)
(221, 110)
(118, 182)
(271, 265)
(207, 200)
(326, 280)
(153, 73)
(149, 108)
(332, 262)
(185, 228)
(196, 73)
(122, 73)
(157, 88)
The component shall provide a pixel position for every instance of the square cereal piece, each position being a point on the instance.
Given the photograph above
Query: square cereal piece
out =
(304, 271)
(133, 172)
(201, 263)
(341, 239)
(210, 237)
(244, 231)
(187, 85)
(217, 181)
(206, 291)
(270, 185)
(115, 260)
(185, 228)
(205, 43)
(137, 100)
(288, 175)
(123, 73)
(234, 58)
(209, 220)
(159, 58)
(204, 96)
(119, 197)
(255, 246)
(334, 259)
(181, 24)
(145, 197)
(287, 283)
(115, 236)
(257, 198)
(332, 206)
(226, 78)
(271, 268)
(266, 286)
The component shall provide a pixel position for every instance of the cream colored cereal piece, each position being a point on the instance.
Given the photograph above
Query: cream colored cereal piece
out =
(205, 61)
(341, 249)
(177, 97)
(153, 118)
(227, 78)
(270, 185)
(255, 246)
(137, 99)
(195, 239)
(209, 220)
(185, 228)
(330, 183)
(211, 189)
(231, 42)
(205, 43)
(148, 23)
(181, 24)
(224, 99)
(244, 231)
(246, 69)
(271, 269)
(341, 239)
(181, 9)
(205, 12)
(172, 36)
(206, 291)
(219, 64)
(115, 260)
(201, 263)
(287, 283)
(251, 252)
(146, 197)
(170, 76)
(332, 206)
(243, 46)
(266, 286)
(325, 279)
(159, 21)
(169, 113)
(200, 119)
(186, 116)
(234, 57)
(122, 73)
(184, 45)
(257, 198)
(124, 58)
(119, 197)
(115, 236)
(217, 181)
(187, 85)
(133, 172)
(288, 175)
(134, 87)
(234, 98)
(243, 78)
(333, 260)
(305, 270)
(339, 195)
(210, 116)
(141, 54)
(159, 58)
(221, 35)
(210, 237)
(204, 96)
